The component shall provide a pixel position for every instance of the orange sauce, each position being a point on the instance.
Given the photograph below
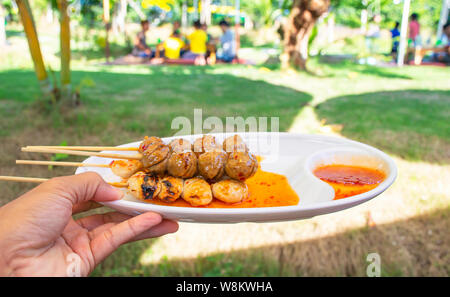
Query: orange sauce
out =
(349, 180)
(266, 189)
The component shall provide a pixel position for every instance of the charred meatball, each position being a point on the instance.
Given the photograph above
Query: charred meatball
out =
(171, 188)
(144, 186)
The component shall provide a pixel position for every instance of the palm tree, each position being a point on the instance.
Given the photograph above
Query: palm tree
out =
(29, 27)
(66, 88)
(2, 25)
(106, 20)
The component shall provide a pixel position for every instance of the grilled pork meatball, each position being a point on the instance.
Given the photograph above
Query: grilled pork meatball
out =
(159, 168)
(171, 188)
(144, 186)
(180, 145)
(230, 191)
(182, 165)
(155, 153)
(206, 143)
(241, 165)
(211, 165)
(147, 142)
(125, 168)
(234, 143)
(197, 192)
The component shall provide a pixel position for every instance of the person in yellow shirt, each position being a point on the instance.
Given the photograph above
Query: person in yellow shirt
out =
(197, 43)
(173, 46)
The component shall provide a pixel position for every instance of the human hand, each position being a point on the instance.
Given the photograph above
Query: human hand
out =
(38, 236)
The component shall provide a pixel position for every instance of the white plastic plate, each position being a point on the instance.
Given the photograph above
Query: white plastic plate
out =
(293, 155)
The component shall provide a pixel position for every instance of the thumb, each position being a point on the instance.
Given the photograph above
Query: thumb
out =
(82, 187)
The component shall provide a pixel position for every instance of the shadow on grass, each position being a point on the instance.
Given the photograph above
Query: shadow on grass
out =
(344, 68)
(96, 54)
(405, 247)
(412, 124)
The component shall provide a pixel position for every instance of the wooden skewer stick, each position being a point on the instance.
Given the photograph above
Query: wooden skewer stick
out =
(23, 179)
(82, 153)
(58, 163)
(41, 180)
(85, 148)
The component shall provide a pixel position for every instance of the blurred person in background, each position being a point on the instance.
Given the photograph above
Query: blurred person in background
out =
(442, 51)
(373, 33)
(227, 43)
(141, 49)
(173, 45)
(197, 45)
(395, 35)
(414, 31)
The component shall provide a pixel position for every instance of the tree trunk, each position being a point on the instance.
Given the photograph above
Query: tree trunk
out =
(303, 16)
(205, 13)
(66, 88)
(2, 26)
(106, 20)
(184, 16)
(33, 43)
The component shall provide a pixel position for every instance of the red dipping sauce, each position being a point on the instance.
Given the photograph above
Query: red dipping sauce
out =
(349, 180)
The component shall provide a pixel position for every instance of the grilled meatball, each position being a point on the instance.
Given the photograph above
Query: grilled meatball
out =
(230, 191)
(125, 168)
(241, 165)
(144, 186)
(155, 153)
(182, 165)
(206, 143)
(211, 165)
(159, 168)
(180, 145)
(197, 192)
(234, 143)
(147, 142)
(171, 188)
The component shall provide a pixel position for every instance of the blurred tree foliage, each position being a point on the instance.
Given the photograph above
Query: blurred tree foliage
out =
(348, 12)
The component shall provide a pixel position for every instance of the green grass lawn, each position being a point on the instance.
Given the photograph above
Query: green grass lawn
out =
(403, 111)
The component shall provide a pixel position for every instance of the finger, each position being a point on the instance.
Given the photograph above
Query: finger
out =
(165, 227)
(94, 221)
(110, 239)
(85, 206)
(81, 188)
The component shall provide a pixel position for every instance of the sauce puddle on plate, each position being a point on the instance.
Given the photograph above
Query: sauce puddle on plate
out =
(266, 189)
(349, 180)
